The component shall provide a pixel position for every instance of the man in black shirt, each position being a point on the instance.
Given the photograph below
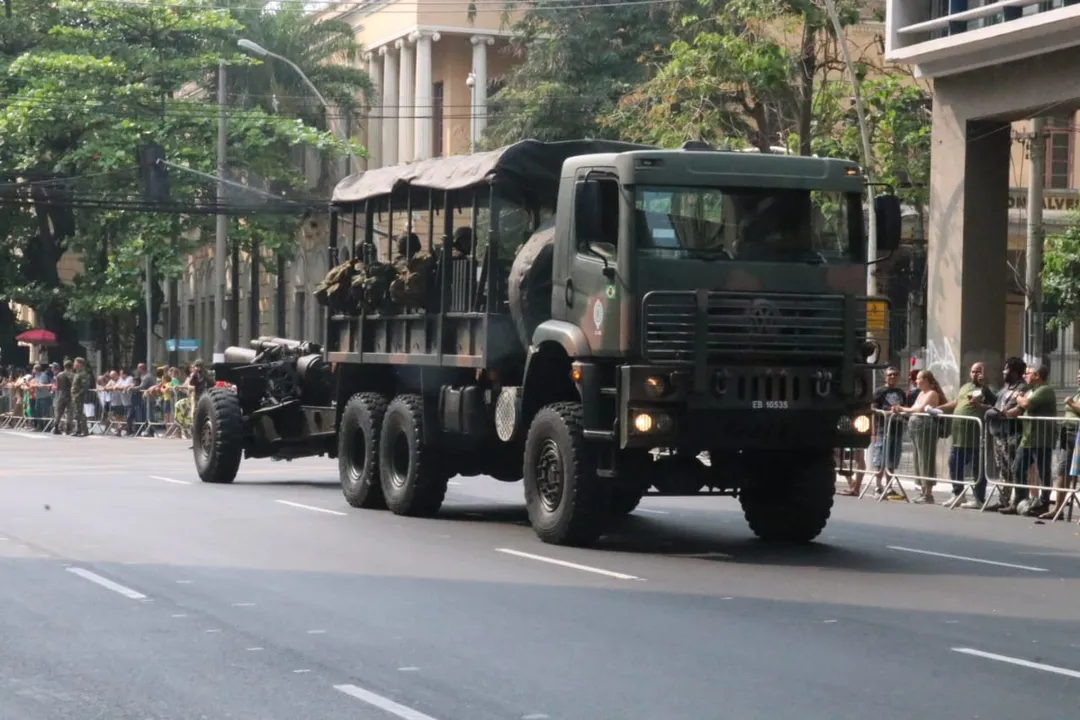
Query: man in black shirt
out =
(1005, 429)
(887, 444)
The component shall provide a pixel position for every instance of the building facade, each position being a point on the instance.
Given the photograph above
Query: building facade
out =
(992, 65)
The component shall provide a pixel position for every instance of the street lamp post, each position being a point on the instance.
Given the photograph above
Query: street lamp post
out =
(256, 49)
(470, 81)
(221, 240)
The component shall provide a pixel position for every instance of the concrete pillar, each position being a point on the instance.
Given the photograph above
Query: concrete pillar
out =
(374, 124)
(423, 131)
(480, 45)
(406, 94)
(967, 249)
(389, 106)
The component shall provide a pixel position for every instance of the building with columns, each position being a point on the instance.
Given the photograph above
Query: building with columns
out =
(434, 68)
(992, 64)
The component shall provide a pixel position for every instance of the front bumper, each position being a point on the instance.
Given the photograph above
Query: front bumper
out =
(741, 408)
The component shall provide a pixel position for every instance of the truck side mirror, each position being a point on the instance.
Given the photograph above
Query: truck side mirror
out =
(887, 215)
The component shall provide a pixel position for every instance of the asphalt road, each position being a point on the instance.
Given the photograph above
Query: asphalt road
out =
(128, 590)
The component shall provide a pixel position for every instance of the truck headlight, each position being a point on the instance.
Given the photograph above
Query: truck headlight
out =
(651, 422)
(862, 424)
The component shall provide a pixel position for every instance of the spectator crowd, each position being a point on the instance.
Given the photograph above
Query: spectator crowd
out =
(69, 399)
(1014, 435)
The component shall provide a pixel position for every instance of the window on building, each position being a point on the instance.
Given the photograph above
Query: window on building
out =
(1059, 153)
(437, 119)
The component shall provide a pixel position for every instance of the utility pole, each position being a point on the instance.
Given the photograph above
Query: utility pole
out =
(868, 158)
(149, 359)
(1034, 259)
(221, 249)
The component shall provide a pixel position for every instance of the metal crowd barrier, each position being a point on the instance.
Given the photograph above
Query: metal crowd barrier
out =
(1046, 467)
(1048, 452)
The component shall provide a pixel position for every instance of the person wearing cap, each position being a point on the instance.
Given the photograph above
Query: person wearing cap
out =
(65, 408)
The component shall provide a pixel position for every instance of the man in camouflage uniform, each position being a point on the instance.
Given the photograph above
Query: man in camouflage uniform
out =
(79, 385)
(65, 408)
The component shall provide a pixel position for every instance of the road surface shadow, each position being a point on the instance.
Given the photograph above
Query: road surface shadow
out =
(316, 484)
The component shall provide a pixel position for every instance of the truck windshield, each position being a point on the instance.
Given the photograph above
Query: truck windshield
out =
(754, 224)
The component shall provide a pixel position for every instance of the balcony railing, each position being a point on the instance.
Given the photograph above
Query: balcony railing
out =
(952, 17)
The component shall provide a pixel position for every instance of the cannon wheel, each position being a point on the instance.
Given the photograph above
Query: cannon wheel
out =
(217, 437)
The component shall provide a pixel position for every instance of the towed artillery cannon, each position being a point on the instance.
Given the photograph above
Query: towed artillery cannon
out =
(273, 399)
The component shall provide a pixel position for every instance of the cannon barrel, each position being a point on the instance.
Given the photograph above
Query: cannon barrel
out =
(302, 347)
(240, 355)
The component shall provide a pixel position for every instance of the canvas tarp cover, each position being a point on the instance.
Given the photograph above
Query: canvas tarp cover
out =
(529, 163)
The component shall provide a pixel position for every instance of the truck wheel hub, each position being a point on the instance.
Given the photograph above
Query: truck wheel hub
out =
(549, 475)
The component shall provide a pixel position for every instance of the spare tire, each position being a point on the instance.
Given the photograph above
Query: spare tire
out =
(530, 283)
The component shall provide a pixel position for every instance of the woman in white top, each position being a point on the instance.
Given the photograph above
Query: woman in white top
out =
(923, 428)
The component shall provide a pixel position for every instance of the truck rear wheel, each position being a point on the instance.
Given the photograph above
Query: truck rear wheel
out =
(218, 436)
(358, 451)
(789, 500)
(567, 502)
(413, 479)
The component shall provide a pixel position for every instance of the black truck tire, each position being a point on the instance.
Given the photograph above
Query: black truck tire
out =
(635, 476)
(790, 501)
(568, 503)
(413, 478)
(358, 451)
(217, 436)
(529, 284)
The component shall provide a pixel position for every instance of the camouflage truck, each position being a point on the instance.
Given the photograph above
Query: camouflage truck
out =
(624, 310)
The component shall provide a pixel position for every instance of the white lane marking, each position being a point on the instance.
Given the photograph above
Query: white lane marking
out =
(301, 671)
(106, 583)
(183, 582)
(170, 480)
(243, 604)
(410, 668)
(316, 632)
(401, 711)
(535, 716)
(968, 559)
(180, 615)
(310, 507)
(564, 563)
(254, 649)
(455, 483)
(213, 631)
(1022, 663)
(652, 512)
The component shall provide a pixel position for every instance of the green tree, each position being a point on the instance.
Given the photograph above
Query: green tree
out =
(576, 62)
(741, 73)
(1061, 274)
(97, 81)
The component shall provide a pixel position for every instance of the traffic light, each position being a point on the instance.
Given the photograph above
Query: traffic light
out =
(155, 173)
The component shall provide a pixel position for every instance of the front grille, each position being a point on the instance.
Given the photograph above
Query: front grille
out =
(744, 325)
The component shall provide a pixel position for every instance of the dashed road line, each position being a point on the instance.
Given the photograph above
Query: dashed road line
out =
(567, 564)
(375, 700)
(170, 480)
(309, 507)
(106, 583)
(1019, 661)
(1029, 568)
(652, 512)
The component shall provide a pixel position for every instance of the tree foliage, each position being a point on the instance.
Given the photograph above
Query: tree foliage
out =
(575, 63)
(1061, 274)
(741, 73)
(88, 82)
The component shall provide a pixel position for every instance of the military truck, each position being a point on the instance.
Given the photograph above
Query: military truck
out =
(622, 310)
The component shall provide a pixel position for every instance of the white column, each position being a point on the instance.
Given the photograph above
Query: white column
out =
(374, 124)
(389, 106)
(480, 45)
(406, 95)
(423, 113)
